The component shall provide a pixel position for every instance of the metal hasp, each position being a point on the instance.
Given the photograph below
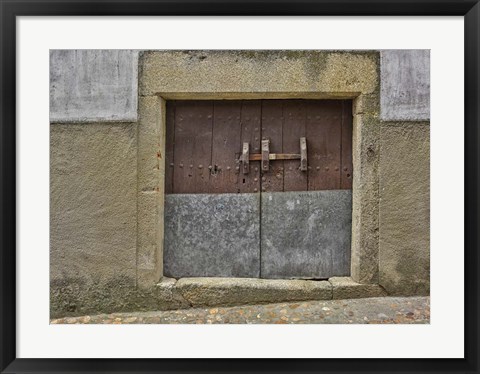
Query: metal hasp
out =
(266, 156)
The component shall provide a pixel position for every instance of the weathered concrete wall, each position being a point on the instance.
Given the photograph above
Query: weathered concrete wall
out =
(365, 154)
(94, 86)
(150, 190)
(346, 288)
(200, 292)
(234, 291)
(405, 85)
(93, 209)
(404, 256)
(257, 74)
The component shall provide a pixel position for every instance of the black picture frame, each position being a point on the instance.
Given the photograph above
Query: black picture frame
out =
(10, 9)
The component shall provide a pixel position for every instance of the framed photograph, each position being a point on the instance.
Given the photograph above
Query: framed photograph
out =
(246, 186)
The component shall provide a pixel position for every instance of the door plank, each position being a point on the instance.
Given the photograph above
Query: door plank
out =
(251, 113)
(324, 122)
(193, 146)
(272, 129)
(294, 127)
(225, 146)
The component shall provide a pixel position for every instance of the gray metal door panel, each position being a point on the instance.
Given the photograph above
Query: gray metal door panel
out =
(306, 234)
(212, 235)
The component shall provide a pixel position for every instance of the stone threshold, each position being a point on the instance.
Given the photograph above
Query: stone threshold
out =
(208, 291)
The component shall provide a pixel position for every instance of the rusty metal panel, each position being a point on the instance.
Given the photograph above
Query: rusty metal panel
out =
(225, 146)
(272, 129)
(193, 146)
(324, 123)
(347, 129)
(294, 127)
(212, 235)
(306, 234)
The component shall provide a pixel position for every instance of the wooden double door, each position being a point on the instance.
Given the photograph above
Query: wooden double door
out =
(258, 188)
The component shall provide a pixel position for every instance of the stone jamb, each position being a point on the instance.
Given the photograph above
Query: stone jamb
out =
(196, 75)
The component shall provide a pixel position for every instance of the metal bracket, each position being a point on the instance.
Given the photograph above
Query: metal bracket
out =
(265, 154)
(246, 158)
(303, 154)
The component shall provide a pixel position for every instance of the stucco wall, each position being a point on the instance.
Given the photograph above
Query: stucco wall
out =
(107, 176)
(404, 256)
(93, 207)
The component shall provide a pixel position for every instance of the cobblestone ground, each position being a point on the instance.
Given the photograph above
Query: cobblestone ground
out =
(385, 310)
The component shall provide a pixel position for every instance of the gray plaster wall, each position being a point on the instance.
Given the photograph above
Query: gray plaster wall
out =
(93, 209)
(405, 85)
(404, 252)
(93, 85)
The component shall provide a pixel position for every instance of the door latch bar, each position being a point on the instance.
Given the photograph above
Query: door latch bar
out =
(265, 157)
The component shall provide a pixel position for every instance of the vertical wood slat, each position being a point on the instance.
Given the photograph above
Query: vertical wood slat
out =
(193, 146)
(225, 147)
(294, 127)
(347, 129)
(251, 132)
(272, 128)
(169, 146)
(324, 139)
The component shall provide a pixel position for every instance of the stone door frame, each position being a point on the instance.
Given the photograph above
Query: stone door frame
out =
(217, 75)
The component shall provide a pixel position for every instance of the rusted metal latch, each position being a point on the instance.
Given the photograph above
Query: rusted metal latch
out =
(266, 156)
